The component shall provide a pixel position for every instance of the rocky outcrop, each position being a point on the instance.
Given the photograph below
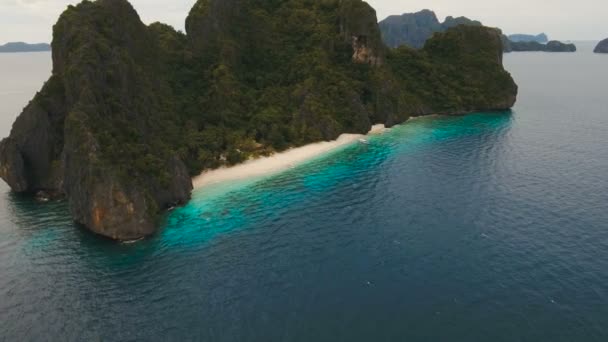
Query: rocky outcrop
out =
(506, 43)
(60, 143)
(602, 47)
(30, 158)
(12, 166)
(131, 111)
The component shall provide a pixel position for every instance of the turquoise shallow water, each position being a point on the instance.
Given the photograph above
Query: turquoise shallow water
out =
(486, 227)
(233, 206)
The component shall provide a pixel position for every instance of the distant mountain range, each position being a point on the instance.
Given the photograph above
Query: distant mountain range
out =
(24, 47)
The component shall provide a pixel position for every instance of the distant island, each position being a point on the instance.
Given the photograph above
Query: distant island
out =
(132, 112)
(552, 46)
(414, 29)
(539, 38)
(24, 47)
(602, 47)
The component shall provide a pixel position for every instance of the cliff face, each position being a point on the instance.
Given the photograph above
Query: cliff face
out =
(358, 24)
(602, 47)
(94, 121)
(132, 111)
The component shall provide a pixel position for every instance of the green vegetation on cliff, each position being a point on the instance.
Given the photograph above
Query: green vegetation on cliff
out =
(132, 111)
(431, 79)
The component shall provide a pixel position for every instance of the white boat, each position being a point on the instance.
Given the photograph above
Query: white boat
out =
(363, 141)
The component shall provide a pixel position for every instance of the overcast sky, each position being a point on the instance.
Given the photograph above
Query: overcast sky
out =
(32, 20)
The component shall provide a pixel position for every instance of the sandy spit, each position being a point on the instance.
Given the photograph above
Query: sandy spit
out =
(279, 161)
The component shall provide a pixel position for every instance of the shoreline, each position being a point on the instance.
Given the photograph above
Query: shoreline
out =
(278, 162)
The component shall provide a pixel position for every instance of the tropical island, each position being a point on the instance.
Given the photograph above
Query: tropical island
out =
(602, 47)
(132, 112)
(24, 47)
(414, 29)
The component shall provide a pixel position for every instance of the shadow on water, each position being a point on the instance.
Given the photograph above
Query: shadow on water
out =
(36, 219)
(48, 226)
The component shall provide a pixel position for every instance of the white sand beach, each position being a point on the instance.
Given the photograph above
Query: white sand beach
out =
(278, 161)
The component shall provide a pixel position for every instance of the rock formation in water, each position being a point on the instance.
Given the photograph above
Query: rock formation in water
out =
(602, 47)
(24, 47)
(131, 111)
(414, 29)
(539, 38)
(552, 46)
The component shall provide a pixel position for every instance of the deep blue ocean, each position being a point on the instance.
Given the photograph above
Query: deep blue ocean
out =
(485, 227)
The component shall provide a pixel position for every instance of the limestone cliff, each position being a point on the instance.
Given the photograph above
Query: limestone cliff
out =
(73, 137)
(414, 29)
(358, 24)
(131, 111)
